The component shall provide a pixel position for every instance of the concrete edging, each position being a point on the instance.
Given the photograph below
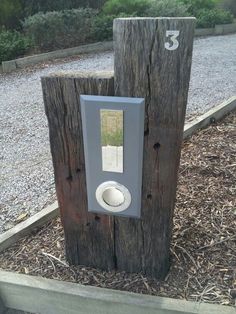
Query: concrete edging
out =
(11, 65)
(25, 227)
(48, 296)
(8, 66)
(221, 29)
(209, 117)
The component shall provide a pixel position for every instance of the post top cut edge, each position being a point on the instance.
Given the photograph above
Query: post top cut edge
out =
(81, 74)
(187, 18)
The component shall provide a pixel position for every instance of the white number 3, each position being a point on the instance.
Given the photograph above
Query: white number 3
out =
(173, 37)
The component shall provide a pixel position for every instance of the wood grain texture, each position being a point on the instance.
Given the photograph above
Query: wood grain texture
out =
(88, 237)
(144, 68)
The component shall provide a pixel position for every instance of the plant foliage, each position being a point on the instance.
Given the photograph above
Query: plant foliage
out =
(12, 45)
(102, 27)
(167, 8)
(60, 29)
(210, 18)
(10, 13)
(229, 5)
(132, 7)
(195, 5)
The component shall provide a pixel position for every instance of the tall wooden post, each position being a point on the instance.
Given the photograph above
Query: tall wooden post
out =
(153, 60)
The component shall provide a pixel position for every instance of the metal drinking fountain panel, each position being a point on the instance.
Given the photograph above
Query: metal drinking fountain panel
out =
(113, 130)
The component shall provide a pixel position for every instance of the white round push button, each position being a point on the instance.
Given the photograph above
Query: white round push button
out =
(113, 197)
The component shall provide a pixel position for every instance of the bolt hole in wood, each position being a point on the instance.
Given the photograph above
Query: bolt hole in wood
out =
(78, 170)
(97, 218)
(156, 146)
(149, 196)
(69, 178)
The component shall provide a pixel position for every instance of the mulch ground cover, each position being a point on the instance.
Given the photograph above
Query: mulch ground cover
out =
(203, 247)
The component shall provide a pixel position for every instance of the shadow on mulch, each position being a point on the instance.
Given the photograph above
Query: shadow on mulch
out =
(203, 247)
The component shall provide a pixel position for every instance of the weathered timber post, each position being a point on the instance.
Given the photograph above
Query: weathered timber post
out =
(88, 237)
(153, 60)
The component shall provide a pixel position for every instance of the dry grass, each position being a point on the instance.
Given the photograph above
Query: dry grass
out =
(204, 240)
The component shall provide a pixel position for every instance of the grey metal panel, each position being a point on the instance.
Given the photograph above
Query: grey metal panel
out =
(131, 177)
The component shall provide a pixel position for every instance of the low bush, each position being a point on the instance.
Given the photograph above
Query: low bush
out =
(194, 6)
(133, 7)
(60, 29)
(13, 45)
(167, 8)
(210, 18)
(69, 28)
(10, 13)
(229, 5)
(102, 27)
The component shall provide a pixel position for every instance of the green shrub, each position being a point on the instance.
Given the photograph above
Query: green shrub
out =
(10, 13)
(103, 27)
(12, 45)
(62, 29)
(32, 7)
(133, 7)
(167, 8)
(13, 11)
(195, 5)
(229, 5)
(209, 18)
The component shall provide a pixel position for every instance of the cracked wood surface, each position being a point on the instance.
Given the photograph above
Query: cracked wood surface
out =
(88, 237)
(145, 68)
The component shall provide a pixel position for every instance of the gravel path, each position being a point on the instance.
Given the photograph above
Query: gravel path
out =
(26, 177)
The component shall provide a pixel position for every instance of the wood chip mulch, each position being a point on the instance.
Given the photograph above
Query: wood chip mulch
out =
(204, 240)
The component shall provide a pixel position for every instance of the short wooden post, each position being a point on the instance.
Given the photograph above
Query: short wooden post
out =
(88, 237)
(153, 60)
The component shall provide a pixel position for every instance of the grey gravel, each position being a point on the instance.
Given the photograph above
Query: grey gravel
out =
(27, 183)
